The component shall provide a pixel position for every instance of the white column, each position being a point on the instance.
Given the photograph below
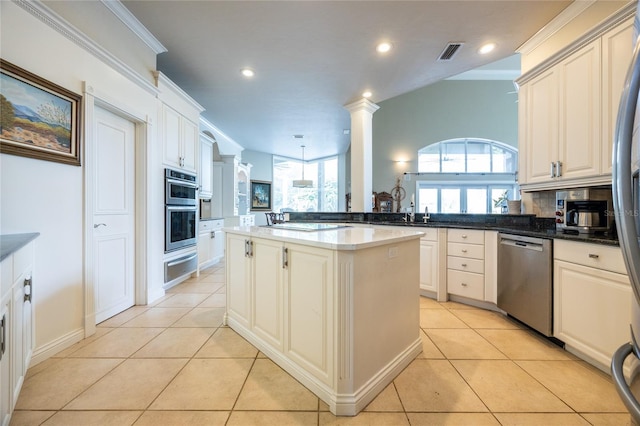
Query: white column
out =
(361, 154)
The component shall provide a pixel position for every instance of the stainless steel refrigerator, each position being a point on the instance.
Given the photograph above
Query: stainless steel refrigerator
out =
(626, 197)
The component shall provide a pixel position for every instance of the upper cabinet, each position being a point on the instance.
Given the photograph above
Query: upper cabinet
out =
(231, 187)
(567, 112)
(206, 167)
(178, 128)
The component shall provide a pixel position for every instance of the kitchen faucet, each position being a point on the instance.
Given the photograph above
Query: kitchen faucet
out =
(409, 216)
(426, 216)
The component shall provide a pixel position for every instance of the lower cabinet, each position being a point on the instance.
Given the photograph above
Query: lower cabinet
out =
(429, 260)
(6, 391)
(592, 300)
(342, 321)
(210, 242)
(465, 263)
(16, 327)
(283, 293)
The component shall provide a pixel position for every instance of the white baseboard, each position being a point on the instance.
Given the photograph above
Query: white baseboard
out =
(48, 350)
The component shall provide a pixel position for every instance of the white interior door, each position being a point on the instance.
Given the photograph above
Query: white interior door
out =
(113, 214)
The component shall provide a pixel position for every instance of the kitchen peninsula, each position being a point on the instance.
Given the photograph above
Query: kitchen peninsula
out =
(335, 306)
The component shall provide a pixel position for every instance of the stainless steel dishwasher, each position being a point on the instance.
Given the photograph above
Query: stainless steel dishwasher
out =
(525, 285)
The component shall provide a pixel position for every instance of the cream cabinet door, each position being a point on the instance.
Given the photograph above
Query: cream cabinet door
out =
(6, 390)
(238, 251)
(617, 49)
(204, 251)
(592, 309)
(170, 136)
(428, 265)
(189, 144)
(579, 139)
(206, 168)
(309, 308)
(267, 290)
(541, 126)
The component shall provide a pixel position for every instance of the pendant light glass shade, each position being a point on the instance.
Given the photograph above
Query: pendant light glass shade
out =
(302, 183)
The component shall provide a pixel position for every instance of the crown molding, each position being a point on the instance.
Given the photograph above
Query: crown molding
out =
(219, 134)
(556, 24)
(127, 18)
(163, 79)
(62, 26)
(362, 105)
(607, 24)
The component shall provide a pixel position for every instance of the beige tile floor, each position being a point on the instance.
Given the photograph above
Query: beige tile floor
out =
(173, 363)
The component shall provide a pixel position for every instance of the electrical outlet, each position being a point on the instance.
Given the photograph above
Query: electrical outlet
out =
(393, 252)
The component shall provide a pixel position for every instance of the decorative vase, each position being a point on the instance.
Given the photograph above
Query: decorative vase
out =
(515, 206)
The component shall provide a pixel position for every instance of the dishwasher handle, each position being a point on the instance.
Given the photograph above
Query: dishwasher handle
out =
(530, 245)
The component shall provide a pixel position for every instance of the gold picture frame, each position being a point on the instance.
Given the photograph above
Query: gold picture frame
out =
(38, 119)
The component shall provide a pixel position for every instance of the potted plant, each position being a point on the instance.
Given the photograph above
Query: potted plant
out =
(501, 201)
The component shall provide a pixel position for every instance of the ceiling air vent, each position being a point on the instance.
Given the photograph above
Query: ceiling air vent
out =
(450, 51)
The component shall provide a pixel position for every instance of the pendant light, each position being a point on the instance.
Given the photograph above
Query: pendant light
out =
(302, 183)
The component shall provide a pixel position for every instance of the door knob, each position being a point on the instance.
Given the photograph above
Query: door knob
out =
(97, 225)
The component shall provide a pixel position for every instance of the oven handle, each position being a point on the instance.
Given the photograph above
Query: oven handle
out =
(182, 182)
(190, 208)
(182, 260)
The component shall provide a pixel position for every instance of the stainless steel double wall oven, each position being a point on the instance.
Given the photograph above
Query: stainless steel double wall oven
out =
(181, 210)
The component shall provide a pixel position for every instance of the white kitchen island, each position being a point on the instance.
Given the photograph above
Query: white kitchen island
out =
(338, 309)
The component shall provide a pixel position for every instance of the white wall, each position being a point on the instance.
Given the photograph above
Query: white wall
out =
(46, 197)
(444, 110)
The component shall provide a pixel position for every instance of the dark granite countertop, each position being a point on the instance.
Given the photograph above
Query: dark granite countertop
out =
(10, 243)
(527, 225)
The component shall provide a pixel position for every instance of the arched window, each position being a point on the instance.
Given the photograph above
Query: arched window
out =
(467, 175)
(468, 156)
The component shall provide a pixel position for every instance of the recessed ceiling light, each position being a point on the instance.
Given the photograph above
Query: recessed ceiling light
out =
(383, 47)
(247, 72)
(486, 48)
(367, 94)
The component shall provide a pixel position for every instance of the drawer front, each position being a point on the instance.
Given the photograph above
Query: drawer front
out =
(472, 251)
(465, 264)
(465, 284)
(204, 225)
(598, 256)
(430, 234)
(465, 236)
(217, 223)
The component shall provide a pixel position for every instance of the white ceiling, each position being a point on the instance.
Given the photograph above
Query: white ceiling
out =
(313, 57)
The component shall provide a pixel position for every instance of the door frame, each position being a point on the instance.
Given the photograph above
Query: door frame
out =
(98, 98)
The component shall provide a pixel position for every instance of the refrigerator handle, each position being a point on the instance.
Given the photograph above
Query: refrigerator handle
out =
(617, 373)
(622, 174)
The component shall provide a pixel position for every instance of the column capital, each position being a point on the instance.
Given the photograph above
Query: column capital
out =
(362, 105)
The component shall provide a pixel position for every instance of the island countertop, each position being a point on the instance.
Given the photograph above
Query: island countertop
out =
(338, 237)
(10, 243)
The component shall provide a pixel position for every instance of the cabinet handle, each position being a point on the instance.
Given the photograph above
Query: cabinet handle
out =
(553, 170)
(27, 297)
(250, 248)
(3, 335)
(464, 250)
(98, 225)
(463, 284)
(213, 234)
(464, 265)
(464, 236)
(285, 257)
(27, 282)
(246, 248)
(593, 256)
(558, 168)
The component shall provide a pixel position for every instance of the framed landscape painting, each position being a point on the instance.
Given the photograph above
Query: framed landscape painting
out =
(260, 195)
(38, 119)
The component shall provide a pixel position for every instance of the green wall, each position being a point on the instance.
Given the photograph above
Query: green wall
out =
(444, 110)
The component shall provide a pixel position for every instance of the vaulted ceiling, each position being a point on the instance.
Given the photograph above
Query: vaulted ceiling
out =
(310, 58)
